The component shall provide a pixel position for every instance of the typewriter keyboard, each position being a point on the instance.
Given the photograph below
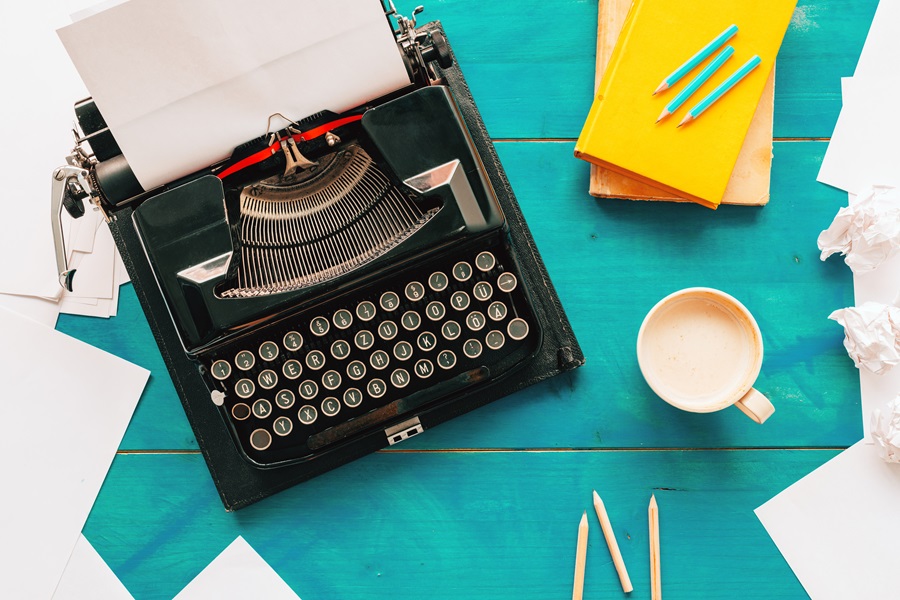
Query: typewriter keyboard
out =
(289, 382)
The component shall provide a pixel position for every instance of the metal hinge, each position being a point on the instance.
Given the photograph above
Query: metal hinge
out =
(404, 430)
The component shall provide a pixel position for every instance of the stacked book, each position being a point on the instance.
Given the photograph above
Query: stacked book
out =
(722, 157)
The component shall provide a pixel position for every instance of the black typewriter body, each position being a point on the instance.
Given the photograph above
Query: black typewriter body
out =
(339, 286)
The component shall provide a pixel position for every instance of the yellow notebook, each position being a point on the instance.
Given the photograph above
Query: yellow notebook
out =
(694, 161)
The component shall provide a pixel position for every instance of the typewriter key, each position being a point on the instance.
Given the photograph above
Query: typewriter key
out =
(379, 359)
(282, 426)
(485, 261)
(245, 360)
(472, 348)
(462, 271)
(268, 350)
(483, 291)
(292, 369)
(353, 397)
(403, 350)
(319, 326)
(507, 282)
(364, 339)
(308, 389)
(240, 411)
(435, 311)
(331, 380)
(315, 360)
(460, 300)
(450, 330)
(387, 330)
(330, 406)
(495, 339)
(517, 329)
(307, 414)
(400, 378)
(262, 408)
(475, 321)
(268, 379)
(343, 319)
(220, 370)
(426, 341)
(424, 368)
(284, 398)
(446, 359)
(389, 301)
(414, 291)
(292, 340)
(340, 349)
(438, 281)
(411, 320)
(365, 311)
(260, 439)
(497, 311)
(376, 388)
(244, 388)
(356, 370)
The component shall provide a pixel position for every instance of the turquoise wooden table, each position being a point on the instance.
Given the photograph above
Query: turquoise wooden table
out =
(487, 505)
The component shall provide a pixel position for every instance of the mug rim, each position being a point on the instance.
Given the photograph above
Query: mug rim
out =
(732, 305)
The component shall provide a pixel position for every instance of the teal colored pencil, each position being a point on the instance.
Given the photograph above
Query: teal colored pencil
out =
(696, 59)
(721, 89)
(699, 80)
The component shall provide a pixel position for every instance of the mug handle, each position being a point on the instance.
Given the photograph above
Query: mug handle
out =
(756, 406)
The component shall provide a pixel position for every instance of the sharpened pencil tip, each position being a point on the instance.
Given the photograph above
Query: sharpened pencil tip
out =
(662, 87)
(665, 113)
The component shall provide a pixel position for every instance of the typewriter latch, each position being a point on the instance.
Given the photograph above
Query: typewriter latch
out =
(69, 191)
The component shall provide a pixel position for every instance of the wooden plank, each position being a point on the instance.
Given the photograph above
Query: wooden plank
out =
(461, 525)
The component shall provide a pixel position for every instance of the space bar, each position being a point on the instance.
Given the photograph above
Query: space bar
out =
(396, 408)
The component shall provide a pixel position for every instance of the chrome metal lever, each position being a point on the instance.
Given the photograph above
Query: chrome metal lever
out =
(61, 179)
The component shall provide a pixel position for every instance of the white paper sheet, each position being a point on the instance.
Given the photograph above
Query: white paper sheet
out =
(247, 61)
(838, 527)
(41, 88)
(88, 576)
(72, 404)
(237, 573)
(882, 46)
(39, 309)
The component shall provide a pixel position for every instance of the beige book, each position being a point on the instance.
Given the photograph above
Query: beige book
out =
(749, 183)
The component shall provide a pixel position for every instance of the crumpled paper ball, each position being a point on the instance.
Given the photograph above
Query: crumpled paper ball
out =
(886, 430)
(871, 335)
(867, 231)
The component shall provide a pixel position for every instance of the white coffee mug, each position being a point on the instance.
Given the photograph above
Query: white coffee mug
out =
(701, 350)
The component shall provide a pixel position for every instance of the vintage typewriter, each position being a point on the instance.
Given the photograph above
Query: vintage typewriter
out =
(336, 286)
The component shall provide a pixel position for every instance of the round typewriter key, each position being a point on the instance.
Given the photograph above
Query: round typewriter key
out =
(400, 378)
(475, 321)
(240, 411)
(411, 320)
(414, 291)
(446, 359)
(292, 341)
(403, 350)
(260, 439)
(438, 281)
(244, 388)
(424, 368)
(483, 291)
(292, 369)
(356, 370)
(308, 389)
(495, 339)
(307, 414)
(389, 301)
(460, 300)
(282, 426)
(472, 348)
(315, 360)
(485, 261)
(262, 408)
(364, 339)
(462, 271)
(284, 398)
(387, 330)
(330, 406)
(319, 326)
(435, 311)
(426, 341)
(365, 310)
(244, 360)
(268, 379)
(268, 350)
(517, 329)
(379, 359)
(343, 319)
(507, 282)
(331, 380)
(376, 388)
(340, 349)
(353, 397)
(220, 370)
(497, 311)
(450, 330)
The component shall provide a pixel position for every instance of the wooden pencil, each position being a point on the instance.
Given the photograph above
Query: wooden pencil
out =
(580, 556)
(655, 581)
(610, 536)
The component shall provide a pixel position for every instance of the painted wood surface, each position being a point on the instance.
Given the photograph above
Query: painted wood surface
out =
(487, 505)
